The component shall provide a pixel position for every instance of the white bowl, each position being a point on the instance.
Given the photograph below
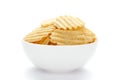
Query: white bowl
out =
(59, 58)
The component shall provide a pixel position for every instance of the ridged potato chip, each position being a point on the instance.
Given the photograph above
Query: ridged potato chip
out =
(39, 34)
(48, 22)
(72, 36)
(68, 22)
(46, 41)
(64, 22)
(63, 30)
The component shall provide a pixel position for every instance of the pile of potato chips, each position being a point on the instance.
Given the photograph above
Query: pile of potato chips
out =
(63, 30)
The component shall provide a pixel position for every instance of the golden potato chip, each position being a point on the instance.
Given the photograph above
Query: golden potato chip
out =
(64, 22)
(65, 41)
(68, 22)
(47, 23)
(63, 30)
(34, 39)
(38, 34)
(73, 22)
(41, 29)
(78, 36)
(40, 41)
(46, 41)
(72, 32)
(71, 37)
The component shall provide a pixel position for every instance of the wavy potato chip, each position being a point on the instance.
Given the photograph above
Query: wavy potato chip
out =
(38, 34)
(68, 22)
(66, 41)
(48, 22)
(63, 30)
(71, 36)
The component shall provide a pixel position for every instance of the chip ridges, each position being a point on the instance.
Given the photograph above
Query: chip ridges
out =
(64, 22)
(63, 30)
(71, 36)
(39, 34)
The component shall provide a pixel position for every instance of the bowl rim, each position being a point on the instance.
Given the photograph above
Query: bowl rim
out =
(25, 42)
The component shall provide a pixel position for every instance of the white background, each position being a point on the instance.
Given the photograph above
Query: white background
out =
(18, 17)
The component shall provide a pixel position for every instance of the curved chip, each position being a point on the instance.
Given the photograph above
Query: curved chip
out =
(48, 22)
(38, 34)
(63, 30)
(68, 22)
(66, 37)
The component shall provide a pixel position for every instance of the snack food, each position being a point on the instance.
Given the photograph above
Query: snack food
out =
(39, 35)
(63, 30)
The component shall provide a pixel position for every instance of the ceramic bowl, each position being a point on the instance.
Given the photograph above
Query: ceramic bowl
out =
(59, 58)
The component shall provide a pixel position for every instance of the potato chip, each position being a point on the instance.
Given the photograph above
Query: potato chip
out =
(38, 34)
(40, 41)
(46, 41)
(78, 36)
(48, 22)
(34, 39)
(65, 41)
(63, 30)
(68, 22)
